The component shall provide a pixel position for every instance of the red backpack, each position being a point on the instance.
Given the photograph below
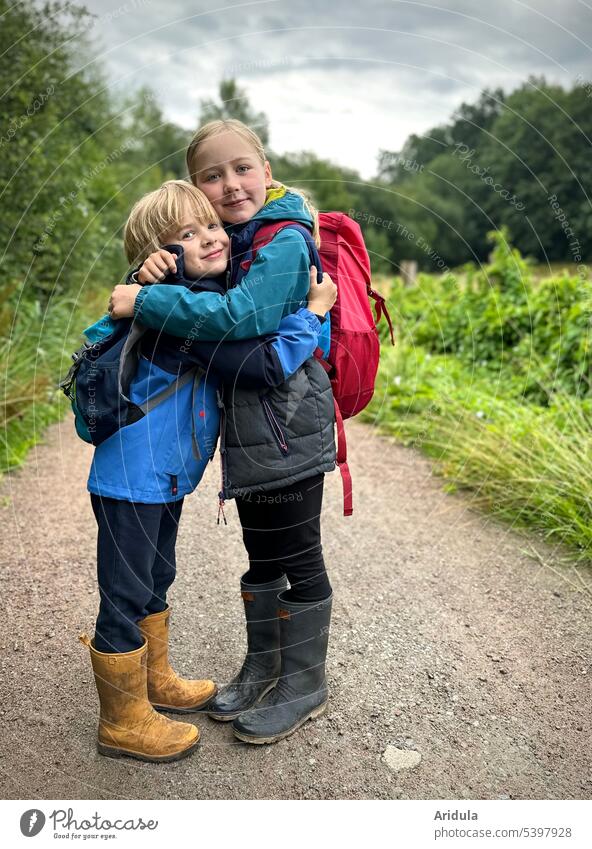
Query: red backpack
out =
(355, 347)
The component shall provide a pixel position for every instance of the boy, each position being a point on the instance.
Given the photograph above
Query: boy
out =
(140, 475)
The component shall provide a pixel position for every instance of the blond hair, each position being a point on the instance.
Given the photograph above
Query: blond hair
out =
(159, 212)
(224, 125)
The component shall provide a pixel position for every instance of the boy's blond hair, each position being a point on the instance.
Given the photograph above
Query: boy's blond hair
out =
(159, 212)
(222, 125)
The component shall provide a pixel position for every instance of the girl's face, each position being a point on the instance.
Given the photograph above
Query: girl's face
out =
(205, 246)
(231, 175)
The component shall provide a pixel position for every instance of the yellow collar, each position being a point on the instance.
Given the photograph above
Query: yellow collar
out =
(274, 193)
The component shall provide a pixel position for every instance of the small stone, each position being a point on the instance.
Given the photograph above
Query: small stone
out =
(398, 759)
(398, 712)
(312, 761)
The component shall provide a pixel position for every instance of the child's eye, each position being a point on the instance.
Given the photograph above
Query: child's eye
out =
(188, 233)
(211, 177)
(213, 226)
(243, 168)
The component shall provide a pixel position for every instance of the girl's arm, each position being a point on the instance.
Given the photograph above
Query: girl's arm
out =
(263, 362)
(275, 285)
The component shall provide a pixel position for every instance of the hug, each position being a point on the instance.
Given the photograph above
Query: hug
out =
(210, 342)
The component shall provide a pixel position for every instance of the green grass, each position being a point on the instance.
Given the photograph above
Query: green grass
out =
(525, 463)
(35, 348)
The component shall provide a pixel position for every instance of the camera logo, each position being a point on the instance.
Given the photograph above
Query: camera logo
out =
(32, 822)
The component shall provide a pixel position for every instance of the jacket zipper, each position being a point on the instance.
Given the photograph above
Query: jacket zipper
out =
(229, 272)
(275, 426)
(222, 456)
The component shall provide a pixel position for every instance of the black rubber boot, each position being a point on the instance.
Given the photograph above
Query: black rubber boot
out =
(301, 692)
(261, 666)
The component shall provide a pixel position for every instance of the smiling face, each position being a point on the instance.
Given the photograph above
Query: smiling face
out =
(205, 245)
(230, 173)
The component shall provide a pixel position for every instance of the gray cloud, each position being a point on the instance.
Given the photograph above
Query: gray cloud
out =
(338, 79)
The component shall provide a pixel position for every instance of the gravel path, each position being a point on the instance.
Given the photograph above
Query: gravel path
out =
(459, 665)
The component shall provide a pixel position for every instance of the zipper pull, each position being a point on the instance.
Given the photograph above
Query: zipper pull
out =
(221, 508)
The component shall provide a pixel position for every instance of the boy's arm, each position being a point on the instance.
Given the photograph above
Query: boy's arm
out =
(275, 285)
(263, 362)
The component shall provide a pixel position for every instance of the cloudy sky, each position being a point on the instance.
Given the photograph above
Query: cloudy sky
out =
(341, 79)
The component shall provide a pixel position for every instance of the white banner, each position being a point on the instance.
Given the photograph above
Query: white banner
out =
(310, 824)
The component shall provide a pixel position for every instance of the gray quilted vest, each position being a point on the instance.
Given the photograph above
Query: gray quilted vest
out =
(276, 437)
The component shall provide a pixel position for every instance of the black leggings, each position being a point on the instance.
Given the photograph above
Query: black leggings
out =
(282, 534)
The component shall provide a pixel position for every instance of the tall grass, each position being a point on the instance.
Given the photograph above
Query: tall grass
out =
(525, 462)
(35, 348)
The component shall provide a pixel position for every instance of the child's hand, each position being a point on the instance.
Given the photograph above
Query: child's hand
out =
(321, 296)
(122, 300)
(157, 266)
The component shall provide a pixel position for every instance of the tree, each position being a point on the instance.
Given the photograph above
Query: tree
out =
(234, 103)
(156, 142)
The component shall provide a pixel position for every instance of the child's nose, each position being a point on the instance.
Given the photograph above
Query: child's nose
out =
(231, 183)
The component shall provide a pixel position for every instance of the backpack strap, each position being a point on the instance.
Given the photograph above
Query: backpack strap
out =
(267, 232)
(196, 373)
(128, 365)
(346, 478)
(381, 310)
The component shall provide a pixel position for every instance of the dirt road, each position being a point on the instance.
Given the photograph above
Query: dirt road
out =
(452, 650)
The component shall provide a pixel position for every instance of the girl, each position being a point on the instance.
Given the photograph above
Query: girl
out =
(276, 446)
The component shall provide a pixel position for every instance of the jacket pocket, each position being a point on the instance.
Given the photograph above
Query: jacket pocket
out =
(275, 426)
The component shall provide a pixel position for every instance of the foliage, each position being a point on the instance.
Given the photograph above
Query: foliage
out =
(497, 317)
(73, 160)
(234, 103)
(491, 378)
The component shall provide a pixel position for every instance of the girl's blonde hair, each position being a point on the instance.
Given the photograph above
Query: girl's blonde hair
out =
(159, 212)
(224, 125)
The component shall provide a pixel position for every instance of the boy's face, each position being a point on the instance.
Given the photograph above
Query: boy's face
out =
(205, 246)
(231, 175)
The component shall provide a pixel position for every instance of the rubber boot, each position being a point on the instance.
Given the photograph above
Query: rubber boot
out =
(128, 723)
(261, 666)
(166, 690)
(301, 691)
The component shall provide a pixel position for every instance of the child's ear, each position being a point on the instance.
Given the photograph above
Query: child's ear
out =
(268, 176)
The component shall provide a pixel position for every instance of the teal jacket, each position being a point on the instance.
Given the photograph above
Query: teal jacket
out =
(276, 285)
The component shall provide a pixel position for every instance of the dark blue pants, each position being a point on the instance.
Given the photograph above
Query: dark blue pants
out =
(135, 566)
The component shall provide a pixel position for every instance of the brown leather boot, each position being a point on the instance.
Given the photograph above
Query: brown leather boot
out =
(128, 723)
(166, 690)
